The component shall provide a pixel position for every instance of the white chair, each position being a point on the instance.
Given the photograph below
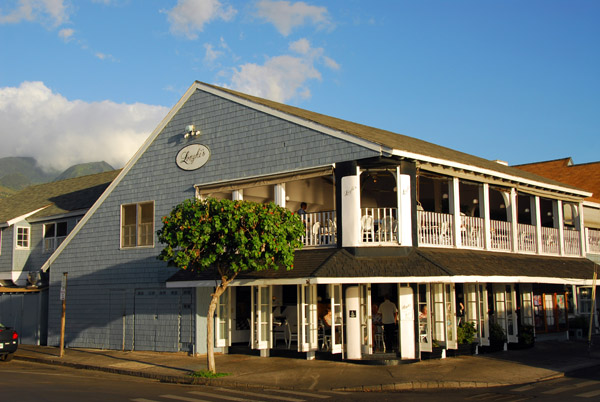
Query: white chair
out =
(366, 224)
(291, 335)
(316, 232)
(444, 234)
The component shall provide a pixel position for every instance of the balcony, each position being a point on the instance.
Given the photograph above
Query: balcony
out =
(437, 230)
(379, 226)
(320, 229)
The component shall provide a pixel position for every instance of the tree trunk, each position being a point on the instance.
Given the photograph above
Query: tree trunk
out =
(210, 322)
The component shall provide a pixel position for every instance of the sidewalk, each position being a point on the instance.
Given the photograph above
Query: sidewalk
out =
(547, 360)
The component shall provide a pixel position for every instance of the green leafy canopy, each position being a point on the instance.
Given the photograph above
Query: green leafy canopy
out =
(231, 236)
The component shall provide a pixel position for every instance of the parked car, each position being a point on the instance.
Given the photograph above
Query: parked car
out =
(9, 341)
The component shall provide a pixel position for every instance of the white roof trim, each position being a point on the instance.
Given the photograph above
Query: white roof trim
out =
(391, 279)
(25, 216)
(295, 119)
(122, 174)
(462, 166)
(591, 204)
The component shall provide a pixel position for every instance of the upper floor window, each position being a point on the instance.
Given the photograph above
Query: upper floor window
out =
(22, 237)
(137, 225)
(54, 234)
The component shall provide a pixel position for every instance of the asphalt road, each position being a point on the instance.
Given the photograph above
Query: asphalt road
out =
(24, 381)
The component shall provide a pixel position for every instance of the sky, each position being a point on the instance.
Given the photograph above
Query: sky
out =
(515, 80)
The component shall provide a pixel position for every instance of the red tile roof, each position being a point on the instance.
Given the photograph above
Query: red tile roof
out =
(585, 176)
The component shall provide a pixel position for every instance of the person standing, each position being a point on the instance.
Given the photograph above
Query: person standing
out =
(389, 319)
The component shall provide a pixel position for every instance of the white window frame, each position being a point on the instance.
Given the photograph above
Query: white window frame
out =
(51, 243)
(27, 234)
(140, 228)
(223, 320)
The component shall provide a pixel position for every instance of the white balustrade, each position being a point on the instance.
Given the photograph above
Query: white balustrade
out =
(435, 229)
(526, 238)
(500, 235)
(572, 243)
(593, 241)
(379, 225)
(550, 243)
(471, 231)
(320, 229)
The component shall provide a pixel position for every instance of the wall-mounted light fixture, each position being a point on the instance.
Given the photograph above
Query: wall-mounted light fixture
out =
(475, 201)
(190, 130)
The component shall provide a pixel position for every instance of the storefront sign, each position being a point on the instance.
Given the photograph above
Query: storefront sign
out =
(193, 157)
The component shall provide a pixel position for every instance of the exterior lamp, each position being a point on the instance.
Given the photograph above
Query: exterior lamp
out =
(190, 130)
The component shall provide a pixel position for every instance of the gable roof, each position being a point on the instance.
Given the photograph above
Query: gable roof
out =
(585, 176)
(401, 145)
(56, 198)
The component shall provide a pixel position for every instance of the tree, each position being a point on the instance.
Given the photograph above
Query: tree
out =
(227, 237)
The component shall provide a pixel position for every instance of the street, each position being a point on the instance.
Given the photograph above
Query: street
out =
(24, 381)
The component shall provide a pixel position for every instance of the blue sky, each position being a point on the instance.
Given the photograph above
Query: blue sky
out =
(89, 80)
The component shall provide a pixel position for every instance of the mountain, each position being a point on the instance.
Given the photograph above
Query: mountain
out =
(84, 169)
(16, 173)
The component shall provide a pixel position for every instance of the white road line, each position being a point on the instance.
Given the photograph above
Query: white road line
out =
(339, 392)
(590, 394)
(481, 396)
(143, 400)
(524, 388)
(569, 387)
(183, 398)
(311, 395)
(279, 398)
(220, 396)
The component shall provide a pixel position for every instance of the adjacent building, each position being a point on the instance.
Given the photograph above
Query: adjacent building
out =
(448, 237)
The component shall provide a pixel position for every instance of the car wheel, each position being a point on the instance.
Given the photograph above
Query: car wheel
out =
(7, 357)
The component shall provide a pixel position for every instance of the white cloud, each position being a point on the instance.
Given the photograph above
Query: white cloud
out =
(66, 34)
(105, 56)
(52, 12)
(286, 16)
(211, 54)
(283, 77)
(35, 121)
(188, 17)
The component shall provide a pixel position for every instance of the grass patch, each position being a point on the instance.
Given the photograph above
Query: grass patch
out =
(207, 374)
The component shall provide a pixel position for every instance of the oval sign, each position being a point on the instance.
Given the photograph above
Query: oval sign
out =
(192, 157)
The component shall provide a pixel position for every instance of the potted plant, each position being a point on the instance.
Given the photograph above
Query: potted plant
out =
(526, 336)
(497, 337)
(465, 336)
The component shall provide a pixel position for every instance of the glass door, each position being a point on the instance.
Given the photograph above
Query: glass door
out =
(424, 318)
(526, 305)
(500, 306)
(307, 318)
(439, 317)
(337, 322)
(450, 303)
(483, 328)
(511, 315)
(261, 323)
(223, 320)
(366, 323)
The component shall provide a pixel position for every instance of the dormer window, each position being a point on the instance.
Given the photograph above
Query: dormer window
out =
(54, 234)
(22, 237)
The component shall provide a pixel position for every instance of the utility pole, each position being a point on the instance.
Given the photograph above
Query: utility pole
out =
(63, 297)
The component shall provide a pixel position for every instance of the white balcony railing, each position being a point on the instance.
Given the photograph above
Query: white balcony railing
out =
(471, 231)
(379, 225)
(593, 241)
(435, 229)
(526, 238)
(500, 236)
(320, 229)
(550, 243)
(572, 242)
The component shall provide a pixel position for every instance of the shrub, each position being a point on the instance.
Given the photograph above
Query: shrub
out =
(465, 332)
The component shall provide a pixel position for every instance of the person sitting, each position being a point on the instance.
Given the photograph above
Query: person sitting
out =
(302, 210)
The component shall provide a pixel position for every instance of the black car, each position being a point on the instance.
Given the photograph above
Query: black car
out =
(9, 341)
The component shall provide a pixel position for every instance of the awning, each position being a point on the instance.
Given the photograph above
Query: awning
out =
(409, 265)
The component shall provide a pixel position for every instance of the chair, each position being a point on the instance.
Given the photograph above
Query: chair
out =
(291, 335)
(379, 340)
(325, 338)
(280, 333)
(388, 229)
(444, 234)
(366, 224)
(316, 233)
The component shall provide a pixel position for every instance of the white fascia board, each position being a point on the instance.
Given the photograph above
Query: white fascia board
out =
(488, 172)
(398, 279)
(297, 120)
(25, 216)
(591, 204)
(122, 174)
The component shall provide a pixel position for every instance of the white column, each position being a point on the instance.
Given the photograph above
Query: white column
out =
(351, 231)
(513, 219)
(404, 208)
(280, 194)
(237, 195)
(455, 210)
(580, 225)
(559, 221)
(536, 216)
(484, 212)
